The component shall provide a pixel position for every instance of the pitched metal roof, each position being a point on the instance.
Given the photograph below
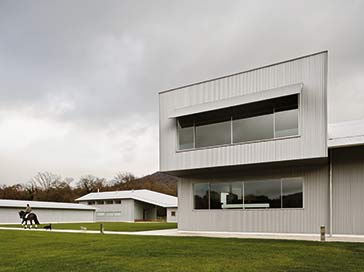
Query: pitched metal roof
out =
(9, 203)
(348, 133)
(147, 196)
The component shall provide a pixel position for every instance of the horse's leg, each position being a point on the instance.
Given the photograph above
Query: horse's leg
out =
(24, 224)
(31, 223)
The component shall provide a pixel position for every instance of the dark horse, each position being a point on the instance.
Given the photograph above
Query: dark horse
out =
(30, 217)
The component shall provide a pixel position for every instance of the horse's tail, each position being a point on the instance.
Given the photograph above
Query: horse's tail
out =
(36, 219)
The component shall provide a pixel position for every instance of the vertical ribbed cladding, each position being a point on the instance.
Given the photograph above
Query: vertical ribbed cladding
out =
(310, 70)
(348, 190)
(307, 220)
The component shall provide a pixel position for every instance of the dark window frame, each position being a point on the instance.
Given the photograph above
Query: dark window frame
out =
(280, 180)
(250, 110)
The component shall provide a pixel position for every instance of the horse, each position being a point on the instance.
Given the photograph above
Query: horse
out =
(30, 217)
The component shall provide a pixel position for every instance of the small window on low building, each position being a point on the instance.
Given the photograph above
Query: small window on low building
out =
(109, 202)
(99, 202)
(173, 213)
(117, 201)
(91, 203)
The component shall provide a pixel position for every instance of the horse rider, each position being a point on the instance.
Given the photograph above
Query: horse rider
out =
(28, 210)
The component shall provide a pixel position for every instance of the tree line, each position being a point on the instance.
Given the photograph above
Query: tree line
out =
(47, 186)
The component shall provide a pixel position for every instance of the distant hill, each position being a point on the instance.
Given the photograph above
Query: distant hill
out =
(157, 181)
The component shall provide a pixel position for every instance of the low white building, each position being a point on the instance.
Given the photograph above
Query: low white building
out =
(47, 212)
(131, 206)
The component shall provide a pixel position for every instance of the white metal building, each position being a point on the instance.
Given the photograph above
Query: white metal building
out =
(252, 153)
(47, 212)
(132, 205)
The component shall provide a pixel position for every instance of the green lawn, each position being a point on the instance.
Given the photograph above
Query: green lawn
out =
(111, 226)
(47, 251)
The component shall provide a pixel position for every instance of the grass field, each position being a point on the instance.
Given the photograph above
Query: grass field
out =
(47, 251)
(111, 226)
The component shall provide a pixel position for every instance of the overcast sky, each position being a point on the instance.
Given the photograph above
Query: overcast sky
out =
(79, 79)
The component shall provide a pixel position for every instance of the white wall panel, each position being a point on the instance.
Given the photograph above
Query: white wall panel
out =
(170, 218)
(306, 220)
(126, 210)
(310, 70)
(348, 190)
(10, 215)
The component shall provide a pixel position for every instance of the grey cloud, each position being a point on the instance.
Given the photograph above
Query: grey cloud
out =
(98, 64)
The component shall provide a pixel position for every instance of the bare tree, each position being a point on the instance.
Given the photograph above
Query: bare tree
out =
(123, 178)
(90, 183)
(31, 188)
(47, 180)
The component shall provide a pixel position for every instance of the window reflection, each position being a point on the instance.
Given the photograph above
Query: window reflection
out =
(185, 134)
(250, 122)
(201, 195)
(263, 194)
(292, 193)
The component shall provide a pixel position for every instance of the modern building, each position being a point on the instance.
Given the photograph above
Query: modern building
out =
(131, 206)
(252, 153)
(47, 212)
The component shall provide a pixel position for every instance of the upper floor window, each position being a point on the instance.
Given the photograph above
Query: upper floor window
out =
(263, 120)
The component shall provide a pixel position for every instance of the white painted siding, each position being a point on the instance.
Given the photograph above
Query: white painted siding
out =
(123, 212)
(170, 217)
(10, 215)
(348, 190)
(312, 143)
(306, 220)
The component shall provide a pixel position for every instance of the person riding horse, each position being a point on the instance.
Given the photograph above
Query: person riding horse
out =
(28, 210)
(28, 216)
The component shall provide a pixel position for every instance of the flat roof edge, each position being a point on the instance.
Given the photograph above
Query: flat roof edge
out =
(243, 72)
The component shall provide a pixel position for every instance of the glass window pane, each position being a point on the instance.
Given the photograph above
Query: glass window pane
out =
(286, 123)
(262, 194)
(227, 195)
(292, 193)
(234, 200)
(218, 193)
(253, 128)
(201, 195)
(185, 134)
(213, 134)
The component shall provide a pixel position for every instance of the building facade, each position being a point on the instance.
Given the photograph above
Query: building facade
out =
(131, 206)
(251, 152)
(47, 212)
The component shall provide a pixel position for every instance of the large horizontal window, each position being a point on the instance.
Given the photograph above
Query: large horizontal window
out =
(262, 194)
(252, 122)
